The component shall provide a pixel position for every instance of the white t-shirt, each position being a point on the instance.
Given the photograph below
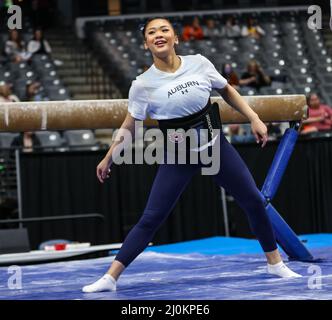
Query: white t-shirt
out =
(165, 95)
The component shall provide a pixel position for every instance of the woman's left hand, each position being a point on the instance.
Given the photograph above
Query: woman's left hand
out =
(259, 130)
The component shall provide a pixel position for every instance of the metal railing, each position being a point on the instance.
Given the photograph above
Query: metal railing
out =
(54, 218)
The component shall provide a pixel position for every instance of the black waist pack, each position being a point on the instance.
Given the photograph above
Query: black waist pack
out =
(208, 118)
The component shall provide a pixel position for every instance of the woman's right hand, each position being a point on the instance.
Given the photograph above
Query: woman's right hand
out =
(103, 170)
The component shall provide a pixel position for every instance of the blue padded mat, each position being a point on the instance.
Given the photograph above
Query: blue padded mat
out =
(160, 275)
(226, 246)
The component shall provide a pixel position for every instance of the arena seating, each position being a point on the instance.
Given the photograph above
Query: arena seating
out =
(295, 57)
(289, 51)
(41, 68)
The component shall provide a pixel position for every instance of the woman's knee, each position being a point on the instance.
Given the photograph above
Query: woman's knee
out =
(254, 201)
(151, 219)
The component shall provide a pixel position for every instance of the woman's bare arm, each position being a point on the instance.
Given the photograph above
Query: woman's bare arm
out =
(127, 125)
(235, 100)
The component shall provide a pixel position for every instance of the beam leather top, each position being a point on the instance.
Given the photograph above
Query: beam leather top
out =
(101, 114)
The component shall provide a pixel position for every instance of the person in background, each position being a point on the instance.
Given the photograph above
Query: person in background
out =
(252, 29)
(38, 44)
(193, 31)
(231, 29)
(6, 94)
(33, 92)
(230, 75)
(254, 76)
(240, 133)
(275, 129)
(27, 141)
(320, 116)
(15, 48)
(210, 30)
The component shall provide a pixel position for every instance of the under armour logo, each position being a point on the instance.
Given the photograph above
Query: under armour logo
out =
(184, 91)
(175, 137)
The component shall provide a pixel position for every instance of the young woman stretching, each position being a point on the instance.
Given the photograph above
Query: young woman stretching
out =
(173, 89)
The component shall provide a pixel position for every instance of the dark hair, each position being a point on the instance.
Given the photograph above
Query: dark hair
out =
(251, 22)
(232, 19)
(143, 26)
(19, 39)
(42, 33)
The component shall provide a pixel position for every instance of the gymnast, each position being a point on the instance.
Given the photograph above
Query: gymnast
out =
(176, 89)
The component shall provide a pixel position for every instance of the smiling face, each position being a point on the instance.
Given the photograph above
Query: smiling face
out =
(160, 38)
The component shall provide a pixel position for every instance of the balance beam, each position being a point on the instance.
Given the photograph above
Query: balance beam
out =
(102, 114)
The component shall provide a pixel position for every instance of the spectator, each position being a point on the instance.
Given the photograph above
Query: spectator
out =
(193, 31)
(6, 94)
(230, 75)
(33, 91)
(210, 30)
(276, 129)
(252, 29)
(240, 133)
(15, 48)
(231, 29)
(254, 76)
(38, 44)
(26, 140)
(320, 116)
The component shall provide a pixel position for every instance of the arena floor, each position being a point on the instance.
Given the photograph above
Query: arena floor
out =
(215, 268)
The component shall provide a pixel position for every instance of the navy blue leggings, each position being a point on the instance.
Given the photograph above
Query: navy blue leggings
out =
(169, 183)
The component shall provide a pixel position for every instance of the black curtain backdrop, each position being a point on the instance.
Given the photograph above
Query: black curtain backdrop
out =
(59, 183)
(65, 183)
